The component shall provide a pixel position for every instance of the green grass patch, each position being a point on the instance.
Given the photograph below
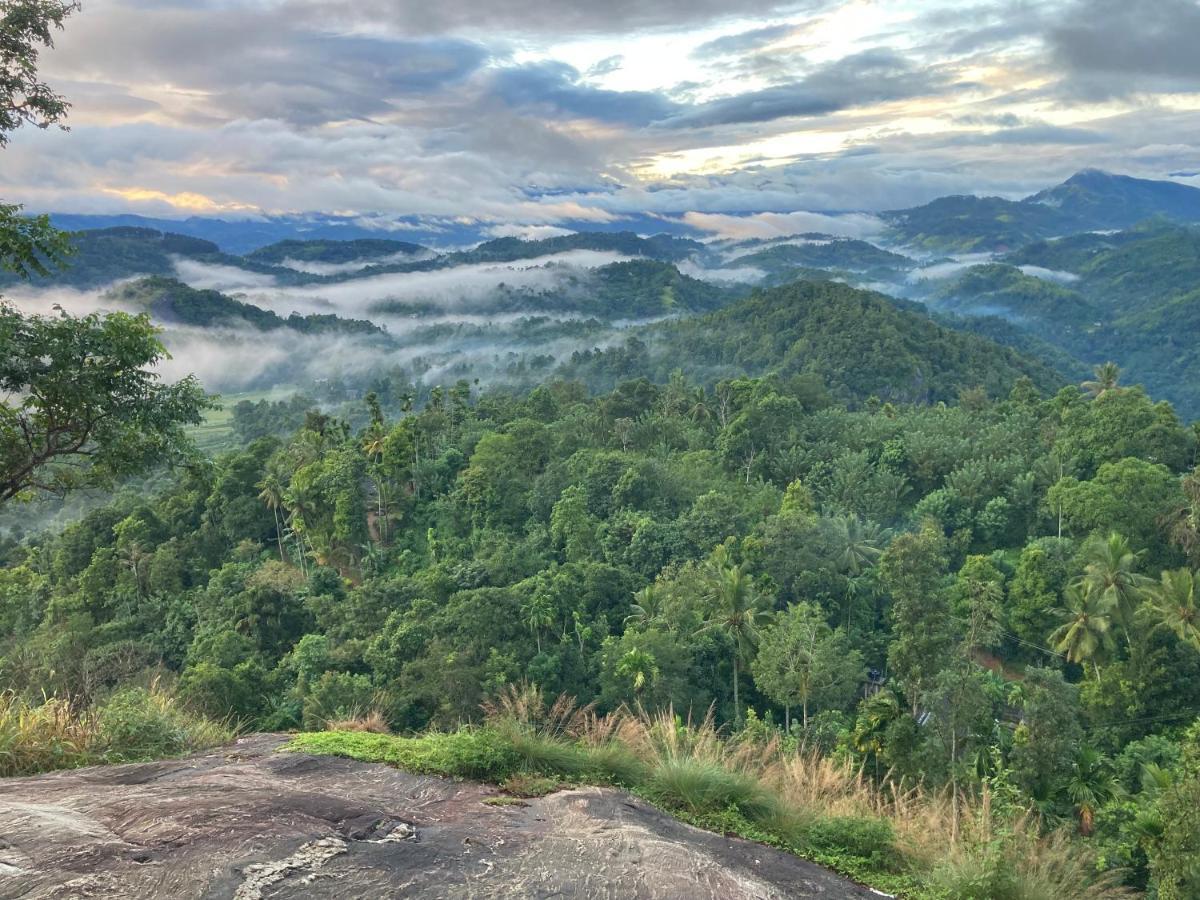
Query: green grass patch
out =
(480, 754)
(700, 792)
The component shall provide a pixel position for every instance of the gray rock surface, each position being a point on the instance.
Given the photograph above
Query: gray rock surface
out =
(249, 823)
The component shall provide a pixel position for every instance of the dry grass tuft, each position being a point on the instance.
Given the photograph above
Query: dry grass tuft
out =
(371, 722)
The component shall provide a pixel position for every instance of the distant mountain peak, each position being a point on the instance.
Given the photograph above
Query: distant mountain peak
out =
(1094, 198)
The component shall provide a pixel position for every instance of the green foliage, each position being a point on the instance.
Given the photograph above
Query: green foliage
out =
(84, 405)
(481, 754)
(1173, 828)
(26, 26)
(132, 725)
(859, 343)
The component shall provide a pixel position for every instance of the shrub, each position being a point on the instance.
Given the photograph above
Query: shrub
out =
(134, 724)
(700, 786)
(338, 695)
(138, 724)
(40, 738)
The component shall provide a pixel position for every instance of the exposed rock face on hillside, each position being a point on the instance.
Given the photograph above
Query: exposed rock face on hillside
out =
(249, 823)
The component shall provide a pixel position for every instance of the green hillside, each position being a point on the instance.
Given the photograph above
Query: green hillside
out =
(858, 343)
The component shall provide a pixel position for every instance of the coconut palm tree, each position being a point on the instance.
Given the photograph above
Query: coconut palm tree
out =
(272, 493)
(1173, 605)
(647, 606)
(736, 612)
(1184, 522)
(1111, 571)
(1105, 379)
(859, 543)
(1084, 634)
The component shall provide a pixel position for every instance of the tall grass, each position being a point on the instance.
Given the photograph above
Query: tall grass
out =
(903, 839)
(134, 724)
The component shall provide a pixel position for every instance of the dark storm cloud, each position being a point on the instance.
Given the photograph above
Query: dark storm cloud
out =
(870, 77)
(1134, 41)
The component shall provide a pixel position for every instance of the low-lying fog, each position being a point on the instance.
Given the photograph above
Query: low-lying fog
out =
(442, 323)
(452, 331)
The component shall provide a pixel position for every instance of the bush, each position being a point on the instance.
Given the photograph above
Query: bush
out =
(135, 724)
(700, 787)
(338, 695)
(139, 724)
(41, 738)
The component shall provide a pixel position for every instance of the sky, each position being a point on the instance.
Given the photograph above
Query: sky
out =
(526, 116)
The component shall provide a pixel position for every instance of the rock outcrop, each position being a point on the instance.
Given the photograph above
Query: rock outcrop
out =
(247, 822)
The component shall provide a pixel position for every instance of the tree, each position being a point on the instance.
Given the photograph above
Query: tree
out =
(538, 613)
(82, 405)
(1131, 497)
(1089, 785)
(1173, 605)
(859, 543)
(639, 667)
(1174, 844)
(1105, 378)
(979, 594)
(1184, 521)
(802, 661)
(913, 570)
(85, 406)
(647, 607)
(1048, 736)
(28, 246)
(1085, 634)
(25, 26)
(1111, 574)
(736, 613)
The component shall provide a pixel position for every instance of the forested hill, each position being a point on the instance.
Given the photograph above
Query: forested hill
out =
(334, 252)
(171, 302)
(859, 343)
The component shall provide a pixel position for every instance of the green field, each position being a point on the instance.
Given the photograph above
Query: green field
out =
(215, 433)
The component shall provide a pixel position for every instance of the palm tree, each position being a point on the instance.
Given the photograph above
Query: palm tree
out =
(1090, 784)
(272, 493)
(639, 667)
(1173, 605)
(1084, 634)
(1105, 378)
(1111, 571)
(860, 544)
(647, 606)
(1185, 520)
(736, 613)
(538, 612)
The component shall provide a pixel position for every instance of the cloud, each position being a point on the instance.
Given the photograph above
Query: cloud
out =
(743, 41)
(872, 76)
(1050, 274)
(255, 62)
(526, 232)
(773, 225)
(535, 17)
(555, 86)
(1130, 44)
(551, 115)
(458, 288)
